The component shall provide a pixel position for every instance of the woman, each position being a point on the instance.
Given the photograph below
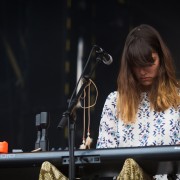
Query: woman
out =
(145, 109)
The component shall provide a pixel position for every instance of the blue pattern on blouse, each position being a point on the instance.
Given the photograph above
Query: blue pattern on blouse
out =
(150, 128)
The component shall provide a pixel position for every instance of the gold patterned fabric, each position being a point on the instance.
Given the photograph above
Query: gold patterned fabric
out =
(132, 171)
(50, 172)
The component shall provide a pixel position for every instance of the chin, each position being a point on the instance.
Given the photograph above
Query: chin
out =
(146, 83)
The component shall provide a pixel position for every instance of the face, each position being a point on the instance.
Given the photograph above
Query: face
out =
(146, 75)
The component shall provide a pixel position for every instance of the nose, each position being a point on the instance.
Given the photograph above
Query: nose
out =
(142, 71)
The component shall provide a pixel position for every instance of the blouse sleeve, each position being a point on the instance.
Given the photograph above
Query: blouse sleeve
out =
(108, 136)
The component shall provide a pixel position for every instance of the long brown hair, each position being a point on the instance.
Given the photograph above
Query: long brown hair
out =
(139, 45)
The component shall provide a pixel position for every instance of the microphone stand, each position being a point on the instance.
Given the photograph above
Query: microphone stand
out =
(70, 116)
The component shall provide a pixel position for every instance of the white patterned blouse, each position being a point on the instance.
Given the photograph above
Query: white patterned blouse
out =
(151, 127)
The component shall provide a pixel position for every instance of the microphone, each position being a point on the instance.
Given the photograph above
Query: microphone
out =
(103, 56)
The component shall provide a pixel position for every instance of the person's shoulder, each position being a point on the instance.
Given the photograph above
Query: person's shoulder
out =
(112, 95)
